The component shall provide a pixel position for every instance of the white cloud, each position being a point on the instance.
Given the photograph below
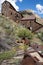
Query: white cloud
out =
(20, 0)
(39, 8)
(13, 2)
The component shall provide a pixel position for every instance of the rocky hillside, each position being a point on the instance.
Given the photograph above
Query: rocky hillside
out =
(29, 12)
(8, 33)
(11, 35)
(11, 41)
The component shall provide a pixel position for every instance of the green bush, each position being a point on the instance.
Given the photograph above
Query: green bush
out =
(25, 33)
(7, 55)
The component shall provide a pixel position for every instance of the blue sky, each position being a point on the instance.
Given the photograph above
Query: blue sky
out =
(35, 5)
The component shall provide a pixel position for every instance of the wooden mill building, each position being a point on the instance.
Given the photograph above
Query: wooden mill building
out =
(31, 22)
(9, 11)
(27, 19)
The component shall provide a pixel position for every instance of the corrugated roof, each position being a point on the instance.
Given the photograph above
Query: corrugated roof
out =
(29, 17)
(28, 14)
